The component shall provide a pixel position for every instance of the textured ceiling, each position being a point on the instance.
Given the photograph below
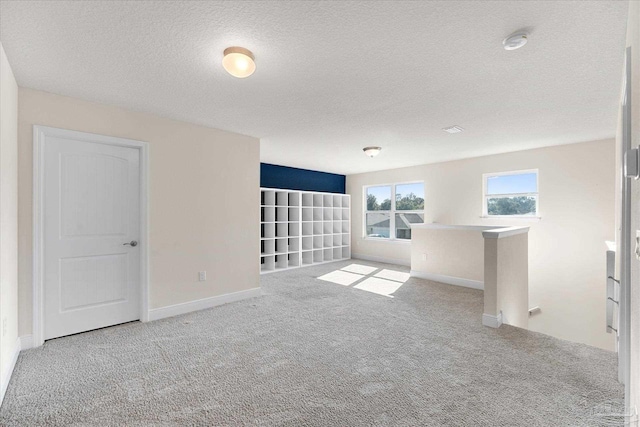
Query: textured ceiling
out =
(334, 77)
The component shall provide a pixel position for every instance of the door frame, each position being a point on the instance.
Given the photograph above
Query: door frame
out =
(40, 134)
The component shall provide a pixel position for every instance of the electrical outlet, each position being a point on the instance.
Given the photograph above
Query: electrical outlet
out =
(202, 276)
(637, 244)
(424, 257)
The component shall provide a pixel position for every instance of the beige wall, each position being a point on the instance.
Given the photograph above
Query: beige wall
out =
(444, 249)
(511, 278)
(203, 201)
(8, 214)
(566, 246)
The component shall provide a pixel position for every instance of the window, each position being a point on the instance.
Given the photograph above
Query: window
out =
(389, 217)
(512, 194)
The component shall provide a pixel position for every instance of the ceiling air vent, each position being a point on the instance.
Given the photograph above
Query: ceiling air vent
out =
(453, 129)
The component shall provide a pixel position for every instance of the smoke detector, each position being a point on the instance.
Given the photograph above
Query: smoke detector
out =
(515, 40)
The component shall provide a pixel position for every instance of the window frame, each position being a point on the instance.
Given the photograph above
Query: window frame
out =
(392, 213)
(485, 196)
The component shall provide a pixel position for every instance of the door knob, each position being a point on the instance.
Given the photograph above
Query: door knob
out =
(131, 243)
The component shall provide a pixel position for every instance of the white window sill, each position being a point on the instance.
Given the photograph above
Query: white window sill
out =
(382, 239)
(518, 217)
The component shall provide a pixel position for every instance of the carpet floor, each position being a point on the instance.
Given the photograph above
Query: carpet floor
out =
(362, 347)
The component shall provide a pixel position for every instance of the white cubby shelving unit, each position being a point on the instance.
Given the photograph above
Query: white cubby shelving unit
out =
(300, 228)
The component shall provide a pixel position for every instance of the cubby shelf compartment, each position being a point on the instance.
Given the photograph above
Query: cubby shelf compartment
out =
(294, 214)
(282, 246)
(307, 243)
(282, 229)
(267, 214)
(267, 198)
(307, 258)
(317, 228)
(268, 230)
(282, 198)
(327, 228)
(307, 228)
(294, 198)
(294, 260)
(267, 263)
(301, 228)
(282, 214)
(346, 239)
(267, 247)
(281, 262)
(327, 214)
(294, 244)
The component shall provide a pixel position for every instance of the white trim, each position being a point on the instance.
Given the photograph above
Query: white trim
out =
(626, 251)
(144, 232)
(202, 304)
(500, 233)
(485, 196)
(449, 280)
(39, 135)
(492, 321)
(37, 332)
(518, 218)
(387, 240)
(8, 370)
(392, 212)
(278, 270)
(439, 226)
(395, 261)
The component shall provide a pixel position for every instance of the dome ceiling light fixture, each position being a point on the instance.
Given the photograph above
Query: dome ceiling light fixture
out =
(515, 40)
(239, 62)
(372, 151)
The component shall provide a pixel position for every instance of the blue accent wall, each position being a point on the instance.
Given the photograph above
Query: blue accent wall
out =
(274, 176)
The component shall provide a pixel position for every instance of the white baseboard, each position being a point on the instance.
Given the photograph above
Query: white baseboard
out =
(449, 280)
(8, 370)
(492, 321)
(202, 304)
(396, 261)
(26, 342)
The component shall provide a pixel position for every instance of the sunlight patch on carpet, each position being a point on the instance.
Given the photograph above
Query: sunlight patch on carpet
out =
(359, 269)
(341, 277)
(396, 276)
(379, 286)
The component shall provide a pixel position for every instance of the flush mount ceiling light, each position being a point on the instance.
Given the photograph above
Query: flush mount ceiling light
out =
(515, 40)
(372, 151)
(453, 129)
(239, 62)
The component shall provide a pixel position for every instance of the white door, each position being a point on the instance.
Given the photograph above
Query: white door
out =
(91, 207)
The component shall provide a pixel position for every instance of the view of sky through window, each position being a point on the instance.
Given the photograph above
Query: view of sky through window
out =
(416, 188)
(381, 193)
(512, 184)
